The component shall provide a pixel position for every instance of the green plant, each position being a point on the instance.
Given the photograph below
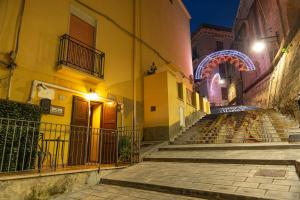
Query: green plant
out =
(124, 149)
(18, 138)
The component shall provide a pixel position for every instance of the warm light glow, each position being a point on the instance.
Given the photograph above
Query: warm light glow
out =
(221, 81)
(110, 103)
(92, 96)
(258, 46)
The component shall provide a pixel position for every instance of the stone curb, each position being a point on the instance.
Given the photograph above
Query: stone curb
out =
(179, 191)
(222, 161)
(229, 148)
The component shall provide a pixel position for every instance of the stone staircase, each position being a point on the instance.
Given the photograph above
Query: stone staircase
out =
(253, 161)
(284, 125)
(240, 127)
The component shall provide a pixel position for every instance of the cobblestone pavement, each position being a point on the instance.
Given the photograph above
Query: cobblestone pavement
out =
(268, 181)
(107, 192)
(279, 154)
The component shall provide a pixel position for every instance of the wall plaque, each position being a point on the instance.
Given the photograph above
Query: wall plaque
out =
(57, 110)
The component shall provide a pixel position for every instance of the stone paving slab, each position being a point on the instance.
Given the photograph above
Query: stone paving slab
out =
(110, 192)
(202, 179)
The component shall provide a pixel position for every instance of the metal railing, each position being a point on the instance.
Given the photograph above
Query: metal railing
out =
(80, 56)
(41, 146)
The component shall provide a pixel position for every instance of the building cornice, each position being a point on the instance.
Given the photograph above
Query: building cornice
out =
(186, 12)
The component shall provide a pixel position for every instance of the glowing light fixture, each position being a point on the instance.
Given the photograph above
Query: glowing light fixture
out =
(221, 81)
(93, 96)
(258, 46)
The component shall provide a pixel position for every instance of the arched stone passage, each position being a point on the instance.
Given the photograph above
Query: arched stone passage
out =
(238, 59)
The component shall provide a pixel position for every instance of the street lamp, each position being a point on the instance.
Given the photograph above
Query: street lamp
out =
(259, 45)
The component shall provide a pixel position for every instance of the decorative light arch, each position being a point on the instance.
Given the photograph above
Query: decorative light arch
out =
(238, 59)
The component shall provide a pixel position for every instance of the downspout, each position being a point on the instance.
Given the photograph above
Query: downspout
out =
(13, 54)
(133, 64)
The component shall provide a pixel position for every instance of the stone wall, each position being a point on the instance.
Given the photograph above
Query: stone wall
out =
(285, 81)
(47, 186)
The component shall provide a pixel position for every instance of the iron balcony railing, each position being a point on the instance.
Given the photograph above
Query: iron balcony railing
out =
(40, 146)
(80, 56)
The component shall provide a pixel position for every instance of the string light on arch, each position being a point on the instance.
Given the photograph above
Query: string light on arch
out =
(238, 59)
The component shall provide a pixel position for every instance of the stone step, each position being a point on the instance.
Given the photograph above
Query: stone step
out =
(257, 156)
(254, 146)
(210, 181)
(222, 161)
(188, 192)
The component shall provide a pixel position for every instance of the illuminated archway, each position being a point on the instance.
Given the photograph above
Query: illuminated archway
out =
(216, 77)
(238, 59)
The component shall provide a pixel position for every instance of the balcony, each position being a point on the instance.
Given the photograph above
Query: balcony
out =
(80, 61)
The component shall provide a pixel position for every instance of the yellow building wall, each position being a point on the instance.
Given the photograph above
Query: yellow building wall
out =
(165, 42)
(43, 23)
(156, 94)
(172, 28)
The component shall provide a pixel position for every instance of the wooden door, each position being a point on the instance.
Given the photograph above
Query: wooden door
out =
(95, 124)
(81, 50)
(78, 131)
(109, 137)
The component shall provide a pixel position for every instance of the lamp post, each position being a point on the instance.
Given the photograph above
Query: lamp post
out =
(259, 45)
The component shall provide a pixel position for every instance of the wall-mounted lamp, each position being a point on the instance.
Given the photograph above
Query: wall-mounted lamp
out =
(93, 96)
(152, 69)
(222, 81)
(259, 45)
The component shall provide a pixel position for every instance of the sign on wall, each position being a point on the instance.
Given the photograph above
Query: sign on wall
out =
(57, 110)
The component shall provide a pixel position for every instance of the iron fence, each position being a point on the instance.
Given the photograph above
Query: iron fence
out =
(75, 54)
(42, 146)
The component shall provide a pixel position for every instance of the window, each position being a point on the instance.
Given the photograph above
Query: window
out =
(224, 93)
(194, 102)
(180, 90)
(219, 45)
(190, 97)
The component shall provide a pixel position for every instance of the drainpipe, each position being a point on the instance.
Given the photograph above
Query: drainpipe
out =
(133, 64)
(13, 54)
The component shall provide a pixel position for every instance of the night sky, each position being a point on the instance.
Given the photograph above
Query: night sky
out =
(216, 12)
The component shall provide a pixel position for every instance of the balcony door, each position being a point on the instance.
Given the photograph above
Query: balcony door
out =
(82, 43)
